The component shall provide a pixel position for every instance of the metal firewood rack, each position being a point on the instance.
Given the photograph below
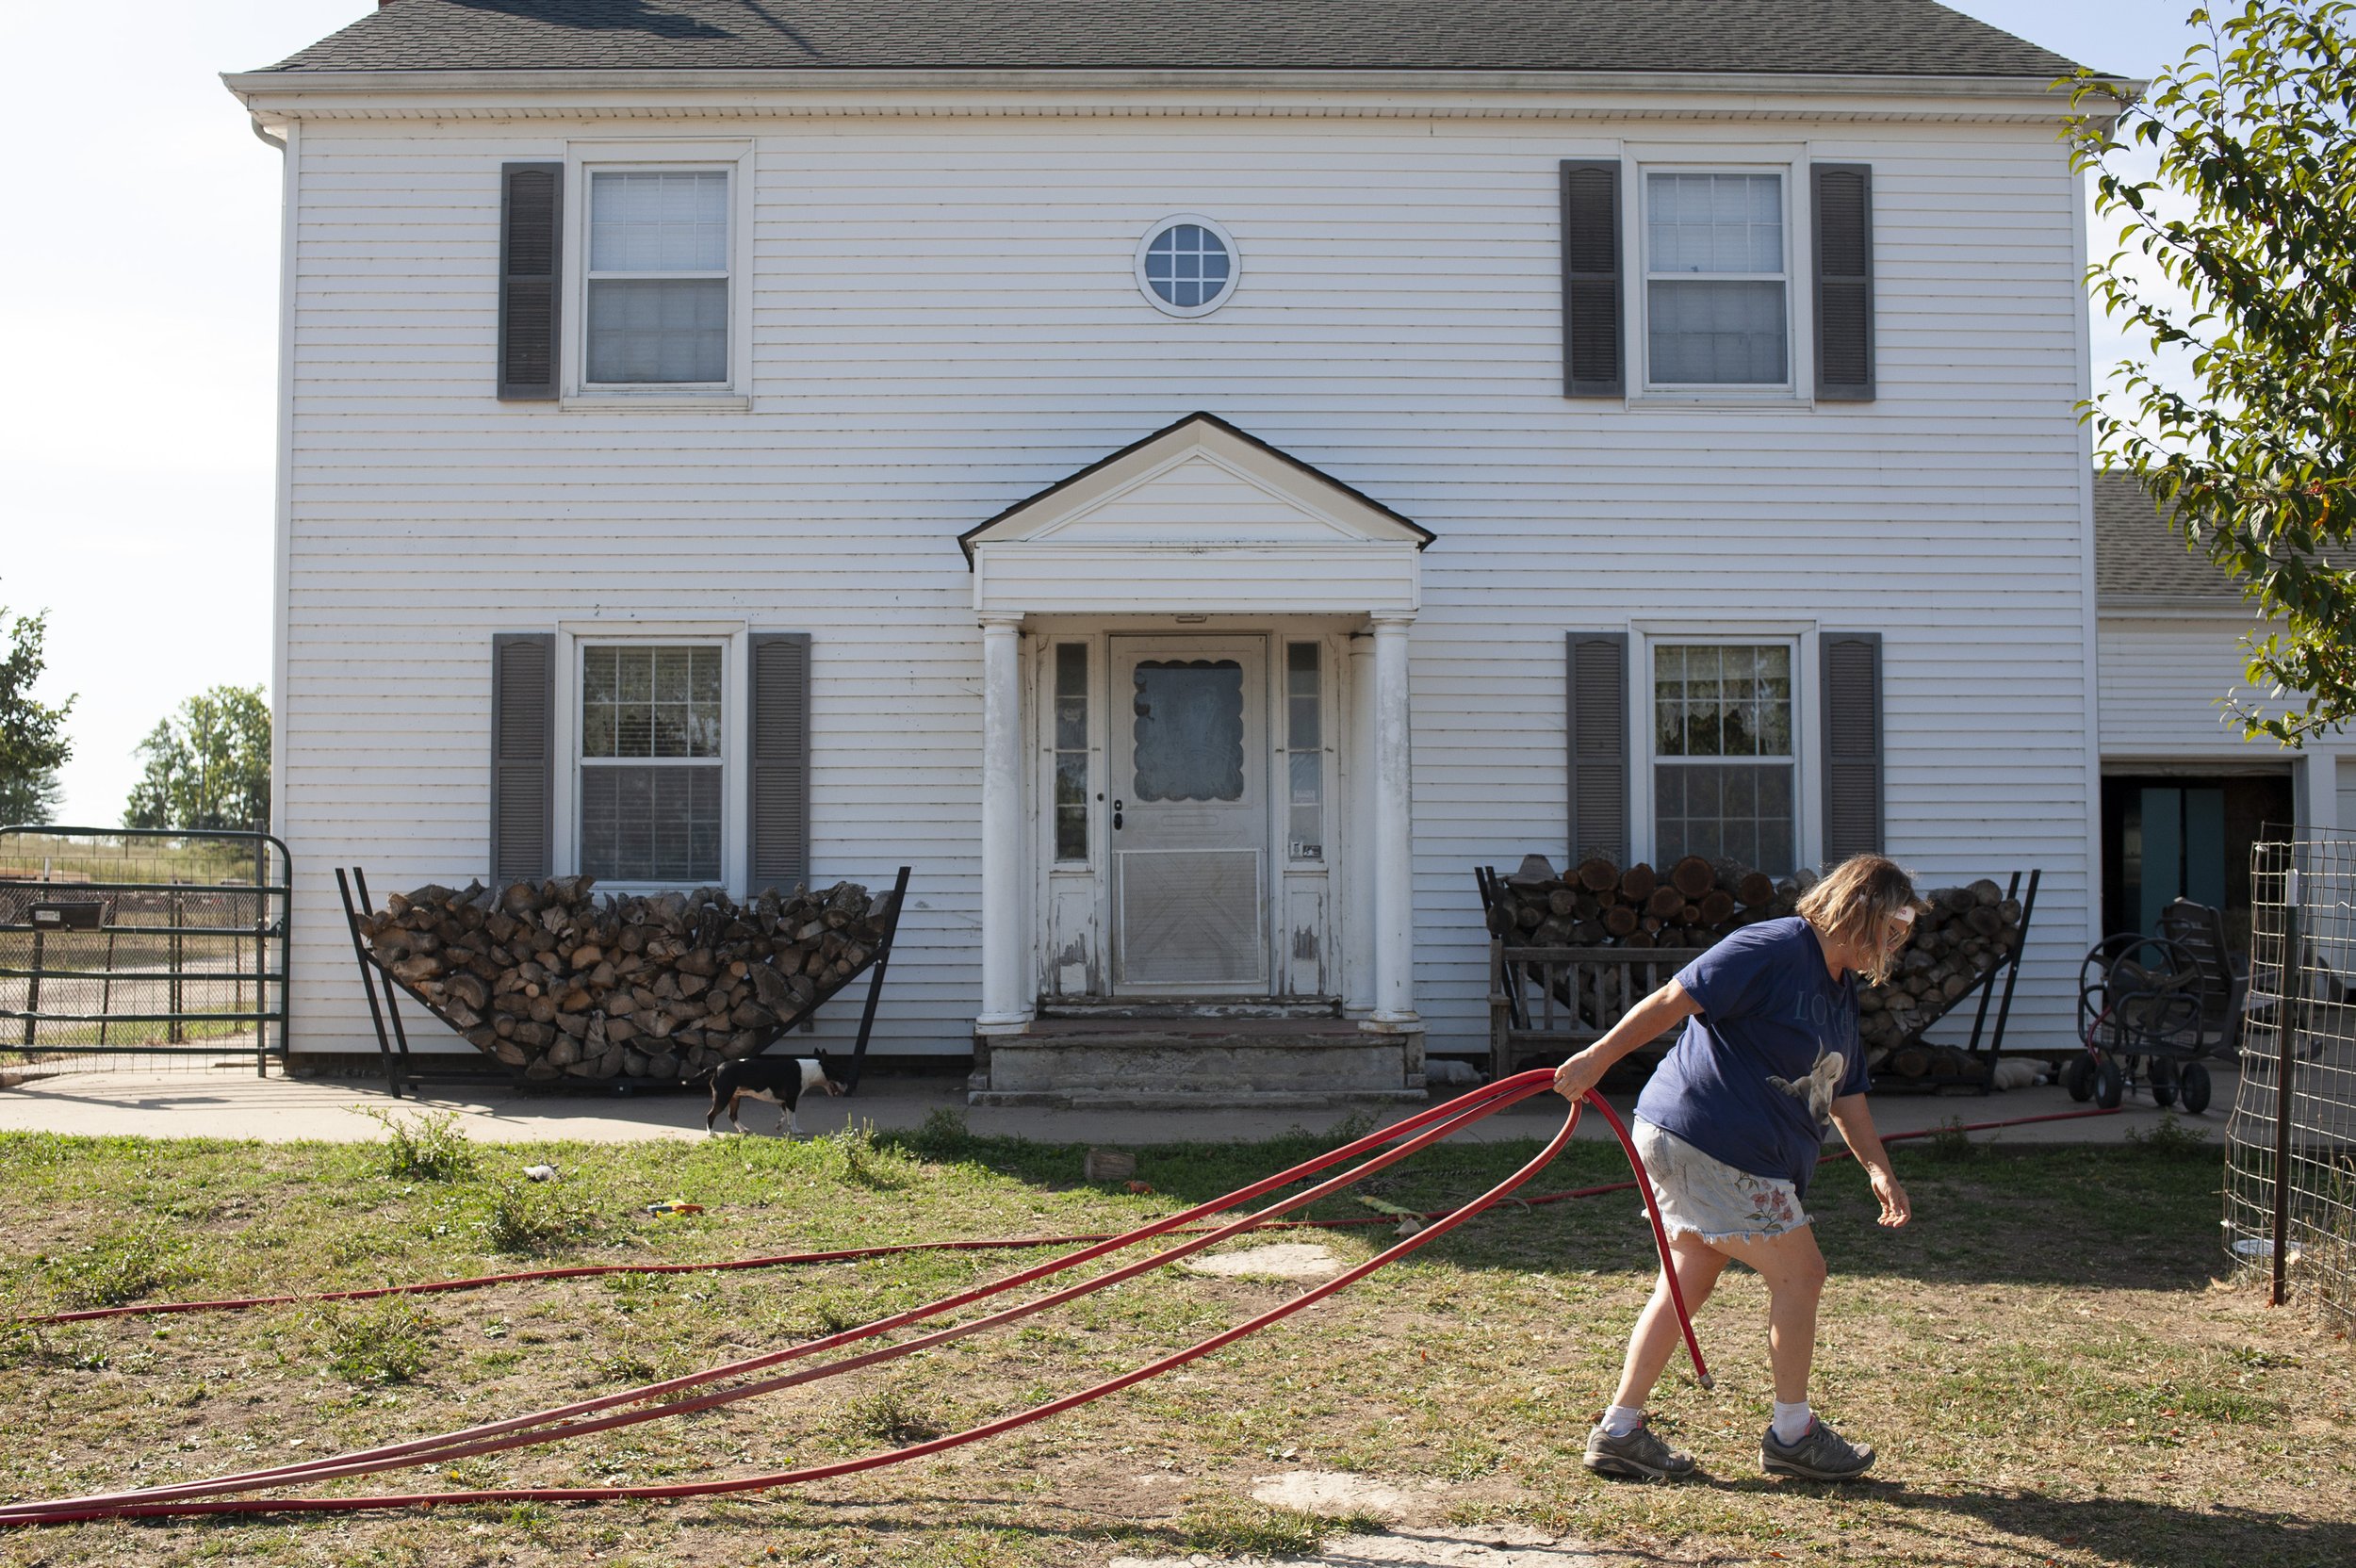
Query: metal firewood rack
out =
(401, 1067)
(1535, 1013)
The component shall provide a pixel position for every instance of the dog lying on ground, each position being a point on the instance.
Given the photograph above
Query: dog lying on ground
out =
(782, 1081)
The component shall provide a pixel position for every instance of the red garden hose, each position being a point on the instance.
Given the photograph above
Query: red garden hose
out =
(852, 1255)
(1427, 1127)
(204, 1497)
(437, 1449)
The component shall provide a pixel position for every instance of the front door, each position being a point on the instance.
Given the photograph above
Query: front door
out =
(1189, 777)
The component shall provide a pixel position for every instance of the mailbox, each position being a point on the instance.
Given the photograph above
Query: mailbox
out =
(65, 917)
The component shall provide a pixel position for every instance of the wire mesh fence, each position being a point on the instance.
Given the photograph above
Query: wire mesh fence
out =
(122, 944)
(2290, 1186)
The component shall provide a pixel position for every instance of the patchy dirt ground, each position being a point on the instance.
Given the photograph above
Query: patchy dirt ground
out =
(2044, 1359)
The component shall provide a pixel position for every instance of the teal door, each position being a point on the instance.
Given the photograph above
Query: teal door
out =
(2183, 842)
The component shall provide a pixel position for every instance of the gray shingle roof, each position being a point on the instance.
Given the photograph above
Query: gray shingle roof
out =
(1836, 37)
(2138, 555)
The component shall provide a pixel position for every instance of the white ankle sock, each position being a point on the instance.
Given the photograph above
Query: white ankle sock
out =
(1791, 1421)
(1620, 1420)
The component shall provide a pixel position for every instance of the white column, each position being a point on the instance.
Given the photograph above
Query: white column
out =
(1356, 904)
(1004, 1006)
(1394, 873)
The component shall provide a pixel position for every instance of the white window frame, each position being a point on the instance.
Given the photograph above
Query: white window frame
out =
(1646, 638)
(573, 638)
(1160, 227)
(1790, 165)
(584, 159)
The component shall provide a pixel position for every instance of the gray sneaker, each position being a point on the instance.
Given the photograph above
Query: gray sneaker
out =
(1639, 1455)
(1820, 1455)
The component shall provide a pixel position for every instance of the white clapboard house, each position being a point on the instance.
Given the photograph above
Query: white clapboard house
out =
(1192, 481)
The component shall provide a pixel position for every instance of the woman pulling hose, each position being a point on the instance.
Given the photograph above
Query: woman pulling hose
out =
(1729, 1129)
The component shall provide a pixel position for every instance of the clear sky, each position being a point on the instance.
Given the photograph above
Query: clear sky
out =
(138, 296)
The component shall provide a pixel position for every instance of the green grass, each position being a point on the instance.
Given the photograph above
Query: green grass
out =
(2042, 1358)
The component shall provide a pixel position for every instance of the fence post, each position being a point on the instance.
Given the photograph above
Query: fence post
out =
(261, 990)
(32, 990)
(2293, 987)
(173, 912)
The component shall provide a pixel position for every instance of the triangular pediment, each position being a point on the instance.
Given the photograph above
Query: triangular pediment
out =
(1200, 483)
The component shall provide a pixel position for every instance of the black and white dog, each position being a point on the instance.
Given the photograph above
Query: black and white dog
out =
(782, 1081)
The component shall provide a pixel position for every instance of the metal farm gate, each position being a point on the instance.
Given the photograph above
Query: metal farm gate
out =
(132, 941)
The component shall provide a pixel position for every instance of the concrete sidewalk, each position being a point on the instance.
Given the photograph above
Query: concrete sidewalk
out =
(229, 1102)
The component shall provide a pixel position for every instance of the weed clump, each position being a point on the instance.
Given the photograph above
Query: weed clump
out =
(892, 1415)
(527, 1218)
(1949, 1142)
(865, 1161)
(1260, 1530)
(2172, 1140)
(944, 1135)
(113, 1269)
(431, 1148)
(374, 1343)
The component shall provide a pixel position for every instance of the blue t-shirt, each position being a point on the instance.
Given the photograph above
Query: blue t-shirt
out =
(1751, 1081)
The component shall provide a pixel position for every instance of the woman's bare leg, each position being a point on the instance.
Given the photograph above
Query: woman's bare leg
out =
(1656, 1334)
(1794, 1272)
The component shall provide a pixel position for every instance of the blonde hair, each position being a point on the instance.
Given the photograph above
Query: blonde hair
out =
(1856, 903)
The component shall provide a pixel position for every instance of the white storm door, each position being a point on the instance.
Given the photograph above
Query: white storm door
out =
(1189, 777)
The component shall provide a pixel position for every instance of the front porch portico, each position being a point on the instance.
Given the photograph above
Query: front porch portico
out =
(1196, 755)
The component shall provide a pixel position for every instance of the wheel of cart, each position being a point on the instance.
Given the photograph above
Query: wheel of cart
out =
(2151, 1009)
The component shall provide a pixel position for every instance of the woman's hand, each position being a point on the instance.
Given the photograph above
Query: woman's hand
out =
(1575, 1077)
(1645, 1022)
(1897, 1208)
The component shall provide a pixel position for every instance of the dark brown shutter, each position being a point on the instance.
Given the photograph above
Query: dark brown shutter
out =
(1592, 313)
(1597, 722)
(1843, 195)
(1852, 744)
(531, 201)
(523, 763)
(776, 709)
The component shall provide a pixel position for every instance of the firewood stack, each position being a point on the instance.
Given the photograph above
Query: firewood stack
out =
(1598, 905)
(558, 983)
(1966, 932)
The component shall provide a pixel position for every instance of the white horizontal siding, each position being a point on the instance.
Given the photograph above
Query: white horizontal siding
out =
(2165, 683)
(945, 323)
(2166, 679)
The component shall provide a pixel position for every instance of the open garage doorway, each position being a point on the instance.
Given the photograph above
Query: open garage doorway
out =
(2172, 833)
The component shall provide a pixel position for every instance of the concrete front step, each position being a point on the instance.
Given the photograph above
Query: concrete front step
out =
(1198, 1062)
(1191, 1009)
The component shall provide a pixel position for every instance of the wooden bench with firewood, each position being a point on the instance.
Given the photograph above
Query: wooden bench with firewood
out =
(1570, 954)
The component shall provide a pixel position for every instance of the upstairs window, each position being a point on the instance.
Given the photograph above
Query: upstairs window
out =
(1717, 304)
(658, 277)
(1187, 266)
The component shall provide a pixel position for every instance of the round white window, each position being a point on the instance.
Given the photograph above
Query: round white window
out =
(1187, 266)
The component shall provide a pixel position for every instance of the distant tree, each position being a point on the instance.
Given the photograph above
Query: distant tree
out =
(33, 745)
(207, 765)
(2249, 224)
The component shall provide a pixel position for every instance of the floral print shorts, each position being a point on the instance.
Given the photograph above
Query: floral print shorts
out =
(1709, 1198)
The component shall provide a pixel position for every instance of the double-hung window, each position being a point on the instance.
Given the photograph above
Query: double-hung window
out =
(649, 767)
(1724, 767)
(658, 277)
(1717, 296)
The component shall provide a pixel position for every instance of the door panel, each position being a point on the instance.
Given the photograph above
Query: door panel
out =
(1188, 776)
